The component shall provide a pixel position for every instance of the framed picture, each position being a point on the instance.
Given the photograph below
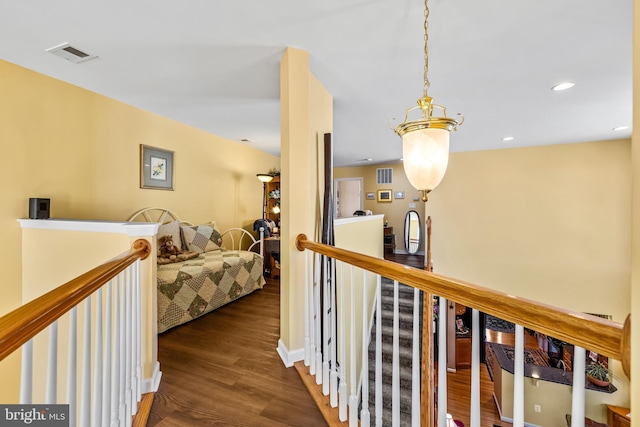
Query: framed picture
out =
(156, 168)
(384, 195)
(399, 195)
(371, 196)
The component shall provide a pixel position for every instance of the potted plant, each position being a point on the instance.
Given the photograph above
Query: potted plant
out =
(598, 374)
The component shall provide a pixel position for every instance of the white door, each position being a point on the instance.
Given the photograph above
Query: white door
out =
(348, 196)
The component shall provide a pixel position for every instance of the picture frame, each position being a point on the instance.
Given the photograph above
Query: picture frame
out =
(399, 195)
(371, 196)
(384, 195)
(156, 168)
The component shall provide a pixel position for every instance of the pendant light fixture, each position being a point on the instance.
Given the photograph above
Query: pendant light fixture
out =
(425, 141)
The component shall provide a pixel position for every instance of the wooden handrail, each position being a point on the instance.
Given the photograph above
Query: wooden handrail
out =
(23, 323)
(590, 332)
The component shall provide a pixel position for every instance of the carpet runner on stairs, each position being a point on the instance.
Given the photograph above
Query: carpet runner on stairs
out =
(405, 308)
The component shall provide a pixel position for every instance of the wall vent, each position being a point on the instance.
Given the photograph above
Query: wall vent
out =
(384, 175)
(70, 53)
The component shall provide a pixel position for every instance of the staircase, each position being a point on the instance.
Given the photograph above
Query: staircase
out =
(405, 308)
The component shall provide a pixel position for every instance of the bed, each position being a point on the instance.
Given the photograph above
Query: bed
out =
(229, 265)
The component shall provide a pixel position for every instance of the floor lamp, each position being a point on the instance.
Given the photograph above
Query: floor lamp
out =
(264, 178)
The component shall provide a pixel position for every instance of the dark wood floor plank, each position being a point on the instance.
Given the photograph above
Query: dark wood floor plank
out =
(222, 369)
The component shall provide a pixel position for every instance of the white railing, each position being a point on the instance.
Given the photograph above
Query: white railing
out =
(339, 305)
(104, 389)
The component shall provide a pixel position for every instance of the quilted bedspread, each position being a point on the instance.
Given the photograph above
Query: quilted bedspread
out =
(191, 288)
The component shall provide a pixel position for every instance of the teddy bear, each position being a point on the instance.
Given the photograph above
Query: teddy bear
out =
(168, 252)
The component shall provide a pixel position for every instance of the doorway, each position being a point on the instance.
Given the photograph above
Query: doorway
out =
(348, 196)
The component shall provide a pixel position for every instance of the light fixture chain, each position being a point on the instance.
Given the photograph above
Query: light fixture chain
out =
(426, 48)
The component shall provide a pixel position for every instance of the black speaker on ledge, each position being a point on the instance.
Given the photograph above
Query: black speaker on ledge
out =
(39, 208)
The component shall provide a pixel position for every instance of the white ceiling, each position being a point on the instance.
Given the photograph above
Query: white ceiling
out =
(214, 65)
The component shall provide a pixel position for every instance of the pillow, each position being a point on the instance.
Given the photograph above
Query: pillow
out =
(201, 238)
(172, 229)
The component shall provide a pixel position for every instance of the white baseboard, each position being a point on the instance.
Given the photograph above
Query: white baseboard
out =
(507, 419)
(150, 385)
(289, 357)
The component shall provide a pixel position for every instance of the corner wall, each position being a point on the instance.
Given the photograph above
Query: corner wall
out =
(306, 114)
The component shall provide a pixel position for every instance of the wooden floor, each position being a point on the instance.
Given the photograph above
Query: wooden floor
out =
(222, 369)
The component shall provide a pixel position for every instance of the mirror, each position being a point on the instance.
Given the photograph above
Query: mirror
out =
(412, 232)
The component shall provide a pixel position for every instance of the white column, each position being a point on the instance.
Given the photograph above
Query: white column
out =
(364, 412)
(353, 396)
(577, 393)
(518, 378)
(85, 378)
(318, 321)
(395, 370)
(415, 363)
(379, 353)
(333, 400)
(476, 339)
(343, 396)
(442, 362)
(72, 373)
(26, 375)
(52, 368)
(326, 324)
(307, 309)
(96, 410)
(106, 372)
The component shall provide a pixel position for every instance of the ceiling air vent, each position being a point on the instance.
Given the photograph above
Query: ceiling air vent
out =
(384, 175)
(70, 53)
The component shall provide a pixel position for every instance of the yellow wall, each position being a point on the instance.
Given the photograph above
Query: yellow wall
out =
(394, 211)
(81, 150)
(635, 242)
(306, 114)
(551, 223)
(362, 235)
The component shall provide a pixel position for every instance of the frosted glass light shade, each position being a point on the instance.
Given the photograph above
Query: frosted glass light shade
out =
(426, 156)
(264, 177)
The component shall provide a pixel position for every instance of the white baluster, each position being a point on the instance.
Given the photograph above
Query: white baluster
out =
(577, 392)
(395, 376)
(364, 413)
(138, 336)
(122, 351)
(115, 372)
(97, 364)
(72, 366)
(85, 398)
(333, 400)
(128, 348)
(415, 361)
(307, 309)
(518, 378)
(26, 375)
(51, 396)
(442, 362)
(379, 353)
(318, 319)
(106, 372)
(312, 316)
(475, 368)
(342, 389)
(353, 396)
(326, 324)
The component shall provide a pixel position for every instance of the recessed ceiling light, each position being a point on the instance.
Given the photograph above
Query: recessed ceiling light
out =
(621, 128)
(508, 138)
(563, 86)
(366, 160)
